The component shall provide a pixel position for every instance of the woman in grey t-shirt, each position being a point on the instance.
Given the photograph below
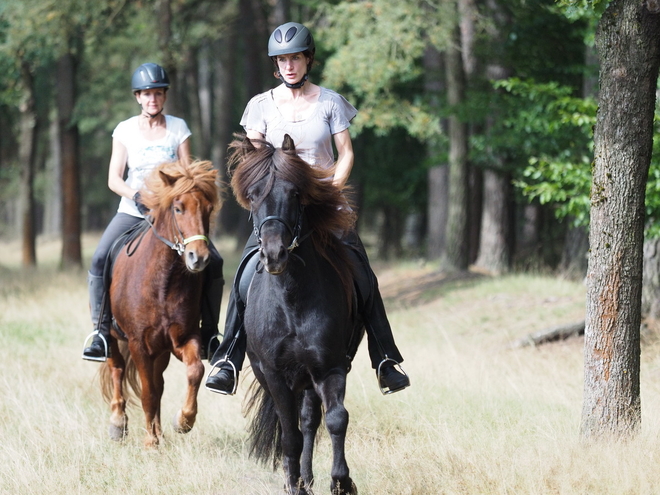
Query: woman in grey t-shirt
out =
(315, 118)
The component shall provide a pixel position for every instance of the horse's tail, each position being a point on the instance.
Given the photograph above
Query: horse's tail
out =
(130, 376)
(265, 430)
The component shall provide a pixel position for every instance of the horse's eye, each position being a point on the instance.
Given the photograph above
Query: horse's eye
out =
(177, 210)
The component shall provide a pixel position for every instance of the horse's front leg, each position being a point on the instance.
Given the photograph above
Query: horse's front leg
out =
(332, 390)
(188, 353)
(292, 439)
(310, 419)
(118, 420)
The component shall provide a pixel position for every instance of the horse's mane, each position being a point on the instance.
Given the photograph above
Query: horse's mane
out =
(328, 212)
(327, 209)
(169, 180)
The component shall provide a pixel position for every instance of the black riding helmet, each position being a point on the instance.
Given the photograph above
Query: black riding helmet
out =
(149, 76)
(291, 37)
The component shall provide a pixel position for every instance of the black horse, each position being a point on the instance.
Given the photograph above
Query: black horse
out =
(300, 318)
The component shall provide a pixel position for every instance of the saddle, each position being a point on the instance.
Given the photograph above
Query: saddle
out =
(363, 287)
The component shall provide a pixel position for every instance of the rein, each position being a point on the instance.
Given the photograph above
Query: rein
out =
(178, 245)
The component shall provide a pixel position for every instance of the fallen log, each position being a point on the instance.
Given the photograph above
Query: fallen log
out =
(553, 334)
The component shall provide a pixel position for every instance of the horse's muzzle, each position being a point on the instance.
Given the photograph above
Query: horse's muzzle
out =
(196, 262)
(274, 261)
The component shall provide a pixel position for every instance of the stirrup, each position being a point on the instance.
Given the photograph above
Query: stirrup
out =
(216, 337)
(105, 346)
(397, 366)
(216, 367)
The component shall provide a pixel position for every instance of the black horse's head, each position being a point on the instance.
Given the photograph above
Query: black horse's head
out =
(282, 191)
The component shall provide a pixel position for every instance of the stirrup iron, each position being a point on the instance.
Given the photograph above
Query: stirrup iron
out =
(105, 346)
(397, 366)
(217, 366)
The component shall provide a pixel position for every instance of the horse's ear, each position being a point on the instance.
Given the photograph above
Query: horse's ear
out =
(249, 147)
(167, 179)
(287, 143)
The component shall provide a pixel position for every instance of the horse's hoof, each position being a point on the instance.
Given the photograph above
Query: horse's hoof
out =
(118, 433)
(151, 443)
(180, 424)
(337, 489)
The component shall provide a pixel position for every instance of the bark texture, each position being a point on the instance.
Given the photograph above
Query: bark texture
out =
(66, 99)
(27, 157)
(628, 44)
(456, 249)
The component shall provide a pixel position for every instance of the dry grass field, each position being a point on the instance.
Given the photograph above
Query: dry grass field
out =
(479, 418)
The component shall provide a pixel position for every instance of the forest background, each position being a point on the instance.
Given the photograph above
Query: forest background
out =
(476, 140)
(473, 139)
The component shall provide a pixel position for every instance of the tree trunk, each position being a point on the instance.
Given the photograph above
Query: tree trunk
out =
(573, 264)
(628, 44)
(391, 233)
(53, 200)
(27, 158)
(66, 99)
(456, 249)
(494, 248)
(281, 12)
(192, 103)
(205, 99)
(494, 252)
(438, 181)
(173, 105)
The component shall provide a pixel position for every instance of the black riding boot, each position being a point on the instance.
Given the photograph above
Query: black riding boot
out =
(383, 352)
(211, 301)
(99, 349)
(229, 357)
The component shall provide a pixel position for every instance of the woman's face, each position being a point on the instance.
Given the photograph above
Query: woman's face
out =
(292, 66)
(152, 100)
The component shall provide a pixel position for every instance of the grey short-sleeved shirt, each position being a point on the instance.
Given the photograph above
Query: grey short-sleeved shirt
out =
(312, 136)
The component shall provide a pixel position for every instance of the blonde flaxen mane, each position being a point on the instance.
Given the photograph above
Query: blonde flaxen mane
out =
(170, 180)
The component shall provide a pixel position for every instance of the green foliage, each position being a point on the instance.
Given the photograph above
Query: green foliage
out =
(653, 183)
(377, 48)
(583, 8)
(555, 131)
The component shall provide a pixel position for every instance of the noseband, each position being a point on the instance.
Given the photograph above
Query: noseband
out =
(178, 245)
(295, 232)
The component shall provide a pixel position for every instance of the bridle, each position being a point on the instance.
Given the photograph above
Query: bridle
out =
(295, 231)
(180, 242)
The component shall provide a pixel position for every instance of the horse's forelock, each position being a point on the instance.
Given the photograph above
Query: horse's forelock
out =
(323, 201)
(199, 175)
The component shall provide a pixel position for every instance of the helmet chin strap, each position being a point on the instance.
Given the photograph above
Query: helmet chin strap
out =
(297, 85)
(151, 116)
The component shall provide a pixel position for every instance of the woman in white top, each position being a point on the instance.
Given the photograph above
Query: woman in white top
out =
(315, 118)
(141, 143)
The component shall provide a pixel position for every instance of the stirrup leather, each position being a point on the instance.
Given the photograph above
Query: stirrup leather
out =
(216, 367)
(386, 390)
(105, 346)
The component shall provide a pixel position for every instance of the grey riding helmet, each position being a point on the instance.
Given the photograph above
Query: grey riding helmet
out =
(290, 38)
(149, 76)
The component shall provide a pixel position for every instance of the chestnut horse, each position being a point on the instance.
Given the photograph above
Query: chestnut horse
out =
(155, 295)
(300, 318)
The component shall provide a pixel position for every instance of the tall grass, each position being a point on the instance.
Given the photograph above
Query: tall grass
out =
(479, 418)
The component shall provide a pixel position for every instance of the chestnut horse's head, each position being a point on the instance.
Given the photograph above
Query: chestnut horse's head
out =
(182, 199)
